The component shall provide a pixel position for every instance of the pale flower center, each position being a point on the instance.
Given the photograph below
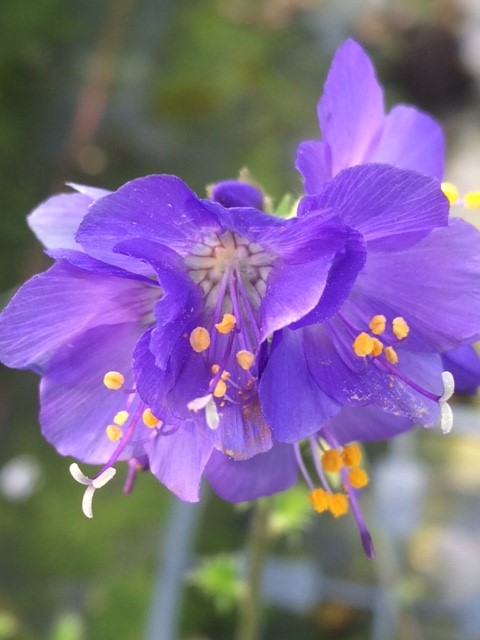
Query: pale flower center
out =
(217, 256)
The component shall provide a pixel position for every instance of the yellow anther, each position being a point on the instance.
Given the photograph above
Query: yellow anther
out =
(200, 339)
(377, 324)
(215, 368)
(225, 375)
(358, 478)
(220, 389)
(332, 461)
(450, 191)
(338, 504)
(149, 420)
(227, 325)
(245, 359)
(113, 380)
(352, 455)
(377, 347)
(400, 328)
(320, 500)
(113, 432)
(363, 345)
(391, 355)
(120, 418)
(471, 200)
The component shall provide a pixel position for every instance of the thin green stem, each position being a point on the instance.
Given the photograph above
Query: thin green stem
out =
(250, 604)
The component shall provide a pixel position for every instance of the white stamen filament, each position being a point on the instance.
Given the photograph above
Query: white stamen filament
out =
(92, 485)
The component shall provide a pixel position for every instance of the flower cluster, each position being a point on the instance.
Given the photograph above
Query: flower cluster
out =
(200, 337)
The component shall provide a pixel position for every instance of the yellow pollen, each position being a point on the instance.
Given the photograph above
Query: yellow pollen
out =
(391, 355)
(352, 455)
(358, 478)
(377, 324)
(149, 420)
(245, 359)
(450, 191)
(332, 461)
(338, 504)
(120, 418)
(200, 339)
(400, 328)
(363, 345)
(113, 432)
(320, 500)
(227, 325)
(225, 375)
(220, 389)
(471, 200)
(377, 347)
(113, 380)
(215, 368)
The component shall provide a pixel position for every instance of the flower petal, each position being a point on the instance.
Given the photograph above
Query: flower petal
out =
(366, 423)
(464, 364)
(55, 222)
(235, 193)
(178, 460)
(314, 162)
(411, 140)
(350, 111)
(392, 208)
(65, 301)
(295, 287)
(76, 407)
(294, 405)
(263, 475)
(160, 208)
(433, 285)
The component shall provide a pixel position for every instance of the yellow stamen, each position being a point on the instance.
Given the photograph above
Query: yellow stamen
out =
(245, 359)
(120, 418)
(225, 375)
(200, 339)
(363, 345)
(338, 504)
(358, 478)
(220, 389)
(113, 380)
(400, 328)
(149, 420)
(352, 455)
(332, 461)
(450, 191)
(113, 432)
(227, 325)
(320, 500)
(471, 200)
(377, 347)
(377, 324)
(391, 355)
(215, 368)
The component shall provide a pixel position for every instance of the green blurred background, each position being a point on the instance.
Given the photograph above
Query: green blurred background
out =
(98, 92)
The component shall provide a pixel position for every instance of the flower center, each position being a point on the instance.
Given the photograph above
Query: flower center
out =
(215, 256)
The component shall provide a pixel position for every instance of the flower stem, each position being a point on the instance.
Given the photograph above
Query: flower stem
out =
(250, 604)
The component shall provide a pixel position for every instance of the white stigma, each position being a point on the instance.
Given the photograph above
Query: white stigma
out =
(211, 412)
(446, 413)
(92, 485)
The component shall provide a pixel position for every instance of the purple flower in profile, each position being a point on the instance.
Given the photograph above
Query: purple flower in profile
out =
(356, 130)
(151, 329)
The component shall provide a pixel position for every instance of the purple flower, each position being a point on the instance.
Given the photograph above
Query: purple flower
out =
(356, 130)
(151, 329)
